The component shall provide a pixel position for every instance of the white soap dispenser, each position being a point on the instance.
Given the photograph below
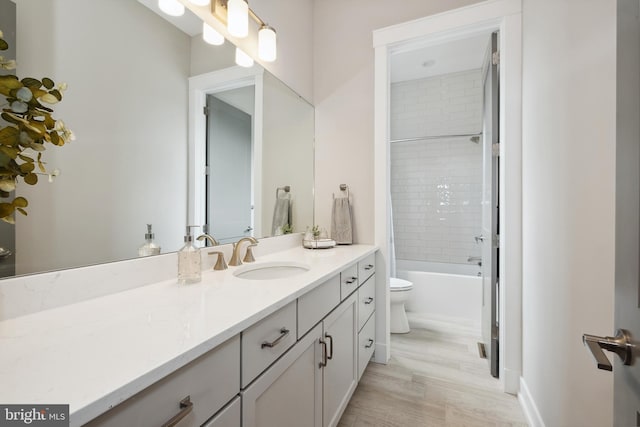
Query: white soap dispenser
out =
(189, 261)
(149, 247)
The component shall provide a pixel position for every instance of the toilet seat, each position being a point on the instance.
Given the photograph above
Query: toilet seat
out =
(400, 284)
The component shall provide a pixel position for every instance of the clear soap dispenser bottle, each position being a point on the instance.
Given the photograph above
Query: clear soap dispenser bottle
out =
(149, 247)
(189, 261)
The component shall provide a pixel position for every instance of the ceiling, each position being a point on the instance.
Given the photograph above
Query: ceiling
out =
(451, 57)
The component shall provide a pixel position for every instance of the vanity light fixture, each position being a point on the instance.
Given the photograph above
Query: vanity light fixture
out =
(171, 7)
(200, 2)
(238, 18)
(242, 59)
(235, 15)
(211, 36)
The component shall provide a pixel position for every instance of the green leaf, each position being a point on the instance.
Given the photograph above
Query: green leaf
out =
(30, 82)
(55, 138)
(26, 158)
(9, 136)
(3, 44)
(8, 83)
(56, 93)
(22, 211)
(8, 118)
(48, 83)
(9, 151)
(7, 185)
(20, 202)
(27, 167)
(40, 164)
(4, 159)
(31, 179)
(6, 209)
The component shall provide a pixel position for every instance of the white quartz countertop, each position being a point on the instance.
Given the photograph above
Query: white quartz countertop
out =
(97, 353)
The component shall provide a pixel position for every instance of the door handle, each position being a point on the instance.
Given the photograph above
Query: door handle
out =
(620, 344)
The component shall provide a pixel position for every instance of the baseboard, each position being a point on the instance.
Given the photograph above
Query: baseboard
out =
(381, 354)
(534, 419)
(511, 381)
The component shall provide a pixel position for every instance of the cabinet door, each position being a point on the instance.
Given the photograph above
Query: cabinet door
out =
(341, 372)
(227, 417)
(289, 393)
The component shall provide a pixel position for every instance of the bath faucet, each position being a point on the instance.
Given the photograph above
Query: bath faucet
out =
(209, 238)
(235, 257)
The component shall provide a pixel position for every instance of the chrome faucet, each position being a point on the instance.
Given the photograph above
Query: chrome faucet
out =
(209, 238)
(235, 257)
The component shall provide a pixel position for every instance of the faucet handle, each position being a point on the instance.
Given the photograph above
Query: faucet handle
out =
(221, 264)
(248, 256)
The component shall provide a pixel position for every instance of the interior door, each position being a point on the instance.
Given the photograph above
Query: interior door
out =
(625, 344)
(627, 286)
(489, 239)
(229, 142)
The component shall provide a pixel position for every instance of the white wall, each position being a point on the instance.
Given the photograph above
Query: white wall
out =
(127, 104)
(343, 96)
(436, 184)
(569, 116)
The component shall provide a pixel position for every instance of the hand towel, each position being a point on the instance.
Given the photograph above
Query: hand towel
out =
(281, 214)
(341, 227)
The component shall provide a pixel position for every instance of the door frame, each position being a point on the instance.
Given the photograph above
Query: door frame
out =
(506, 17)
(199, 87)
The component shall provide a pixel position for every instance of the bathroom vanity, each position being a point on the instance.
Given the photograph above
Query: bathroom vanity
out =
(228, 351)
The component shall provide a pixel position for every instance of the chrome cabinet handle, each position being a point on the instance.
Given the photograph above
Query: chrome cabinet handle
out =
(620, 344)
(369, 344)
(368, 267)
(350, 280)
(479, 238)
(283, 333)
(330, 346)
(368, 300)
(323, 363)
(186, 406)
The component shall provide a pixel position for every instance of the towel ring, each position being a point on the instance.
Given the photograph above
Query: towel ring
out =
(343, 187)
(286, 189)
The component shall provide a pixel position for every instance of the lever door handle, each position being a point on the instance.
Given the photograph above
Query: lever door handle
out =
(620, 344)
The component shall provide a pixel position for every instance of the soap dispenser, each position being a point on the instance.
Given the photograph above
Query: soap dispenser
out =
(149, 247)
(189, 261)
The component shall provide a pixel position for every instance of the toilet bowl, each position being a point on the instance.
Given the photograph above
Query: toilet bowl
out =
(400, 291)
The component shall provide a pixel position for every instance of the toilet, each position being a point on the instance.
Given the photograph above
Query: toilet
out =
(400, 291)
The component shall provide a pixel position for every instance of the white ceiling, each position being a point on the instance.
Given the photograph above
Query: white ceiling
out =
(189, 23)
(458, 55)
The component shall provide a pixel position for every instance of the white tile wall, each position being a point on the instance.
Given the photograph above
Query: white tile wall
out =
(436, 184)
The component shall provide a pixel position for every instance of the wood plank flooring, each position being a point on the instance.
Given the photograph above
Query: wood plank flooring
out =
(435, 378)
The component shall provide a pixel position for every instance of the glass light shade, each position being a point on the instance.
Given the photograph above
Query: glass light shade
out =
(242, 59)
(238, 18)
(211, 36)
(267, 43)
(171, 7)
(200, 2)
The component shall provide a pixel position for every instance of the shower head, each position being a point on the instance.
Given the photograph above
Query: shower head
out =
(475, 139)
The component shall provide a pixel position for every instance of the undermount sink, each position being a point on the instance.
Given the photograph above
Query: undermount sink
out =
(271, 270)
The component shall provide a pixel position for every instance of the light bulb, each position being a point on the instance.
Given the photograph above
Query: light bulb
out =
(242, 59)
(267, 43)
(238, 18)
(171, 7)
(200, 2)
(211, 36)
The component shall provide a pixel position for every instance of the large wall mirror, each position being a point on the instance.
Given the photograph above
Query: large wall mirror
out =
(133, 163)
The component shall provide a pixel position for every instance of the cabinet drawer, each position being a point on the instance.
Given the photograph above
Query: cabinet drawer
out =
(316, 304)
(348, 281)
(228, 417)
(211, 381)
(366, 344)
(367, 267)
(267, 340)
(366, 301)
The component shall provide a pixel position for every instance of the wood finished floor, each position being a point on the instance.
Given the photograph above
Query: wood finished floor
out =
(434, 378)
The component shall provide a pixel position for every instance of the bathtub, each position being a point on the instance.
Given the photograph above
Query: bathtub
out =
(443, 290)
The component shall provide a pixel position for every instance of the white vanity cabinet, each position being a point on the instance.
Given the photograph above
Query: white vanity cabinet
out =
(366, 312)
(209, 382)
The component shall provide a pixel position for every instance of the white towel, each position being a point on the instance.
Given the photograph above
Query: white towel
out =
(341, 228)
(281, 214)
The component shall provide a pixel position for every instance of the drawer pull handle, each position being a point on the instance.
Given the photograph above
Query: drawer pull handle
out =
(350, 280)
(368, 300)
(368, 267)
(323, 363)
(330, 346)
(283, 333)
(186, 406)
(369, 344)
